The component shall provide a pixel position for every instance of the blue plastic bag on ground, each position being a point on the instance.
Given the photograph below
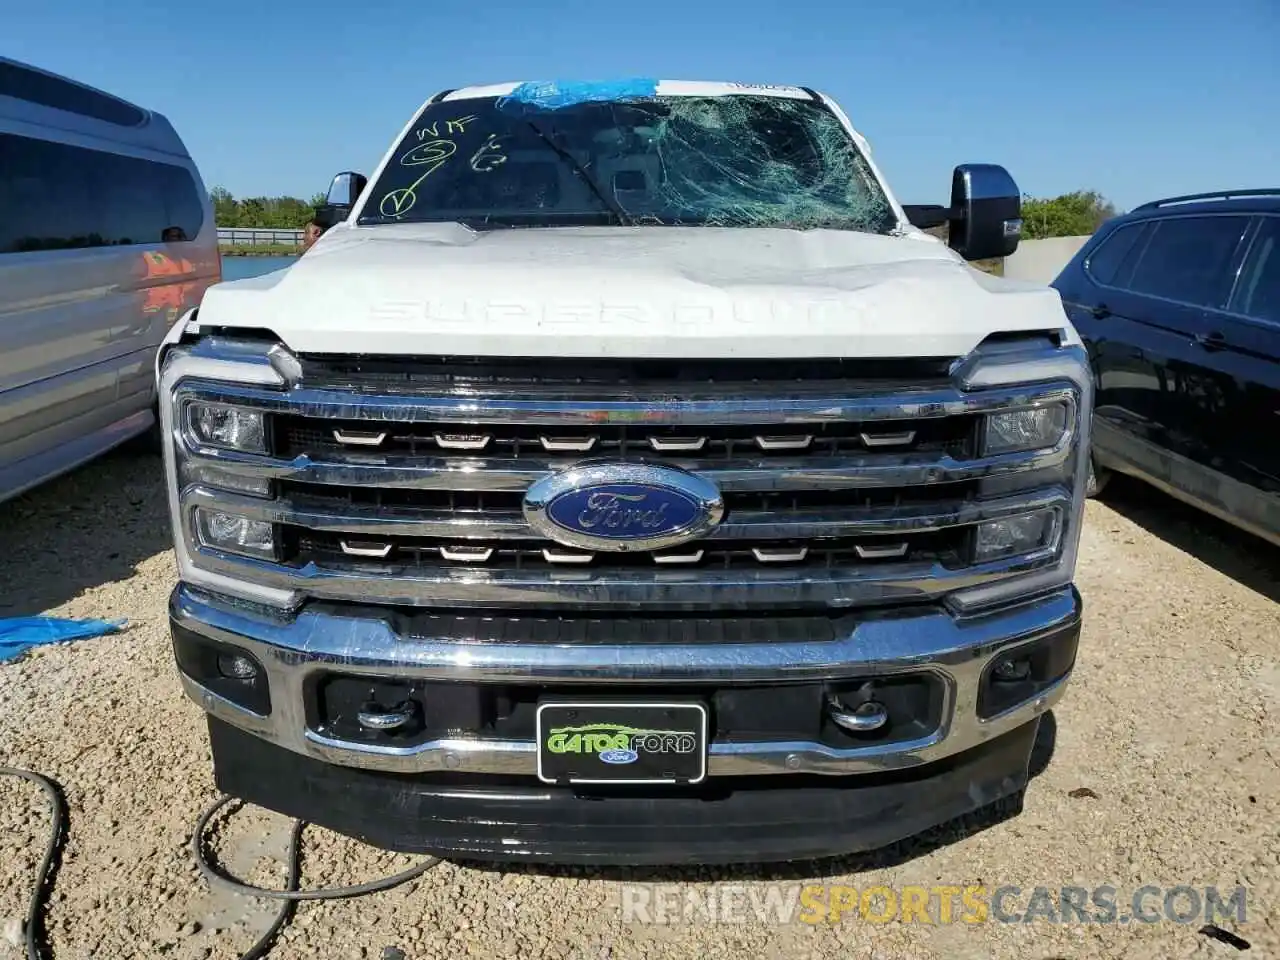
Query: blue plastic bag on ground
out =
(19, 634)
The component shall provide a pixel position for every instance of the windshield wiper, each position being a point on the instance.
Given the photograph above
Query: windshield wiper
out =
(610, 203)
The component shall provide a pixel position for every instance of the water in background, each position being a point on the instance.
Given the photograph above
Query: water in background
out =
(238, 268)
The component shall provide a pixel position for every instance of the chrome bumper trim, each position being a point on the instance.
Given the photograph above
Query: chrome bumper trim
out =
(482, 407)
(384, 521)
(662, 587)
(398, 471)
(875, 643)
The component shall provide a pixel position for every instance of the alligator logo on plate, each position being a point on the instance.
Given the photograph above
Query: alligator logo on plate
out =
(623, 507)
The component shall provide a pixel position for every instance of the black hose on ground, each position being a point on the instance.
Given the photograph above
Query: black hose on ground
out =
(288, 897)
(45, 872)
(216, 875)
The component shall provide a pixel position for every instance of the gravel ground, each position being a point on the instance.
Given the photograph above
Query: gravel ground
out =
(1161, 766)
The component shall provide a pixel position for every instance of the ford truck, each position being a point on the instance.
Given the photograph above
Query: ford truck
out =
(627, 476)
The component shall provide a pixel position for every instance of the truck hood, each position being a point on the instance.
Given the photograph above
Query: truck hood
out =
(433, 289)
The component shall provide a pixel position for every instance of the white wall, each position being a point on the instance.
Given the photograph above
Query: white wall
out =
(1040, 261)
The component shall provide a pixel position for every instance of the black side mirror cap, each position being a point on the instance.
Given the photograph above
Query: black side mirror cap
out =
(327, 214)
(988, 208)
(344, 191)
(984, 220)
(345, 188)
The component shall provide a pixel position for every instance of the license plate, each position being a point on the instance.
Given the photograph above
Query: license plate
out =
(622, 742)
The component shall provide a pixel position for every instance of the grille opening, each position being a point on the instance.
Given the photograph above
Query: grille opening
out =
(783, 624)
(323, 496)
(507, 711)
(949, 547)
(676, 376)
(953, 436)
(778, 479)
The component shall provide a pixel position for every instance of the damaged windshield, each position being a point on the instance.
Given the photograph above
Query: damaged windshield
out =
(728, 161)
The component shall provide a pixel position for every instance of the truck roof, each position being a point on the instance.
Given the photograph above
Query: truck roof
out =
(666, 88)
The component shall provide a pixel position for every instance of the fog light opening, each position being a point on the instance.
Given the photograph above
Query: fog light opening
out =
(234, 666)
(1012, 669)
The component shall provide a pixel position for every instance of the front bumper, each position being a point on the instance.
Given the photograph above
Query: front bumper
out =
(476, 795)
(731, 820)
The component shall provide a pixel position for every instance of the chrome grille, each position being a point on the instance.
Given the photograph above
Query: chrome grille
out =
(338, 499)
(402, 482)
(302, 436)
(949, 547)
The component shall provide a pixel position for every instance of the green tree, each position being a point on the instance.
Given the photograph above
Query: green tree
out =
(226, 212)
(1076, 214)
(266, 212)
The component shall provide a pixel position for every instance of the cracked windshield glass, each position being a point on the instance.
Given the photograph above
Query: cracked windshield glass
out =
(729, 161)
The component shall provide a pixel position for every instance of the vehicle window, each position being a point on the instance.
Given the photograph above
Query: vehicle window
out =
(1258, 294)
(38, 87)
(132, 206)
(1105, 262)
(740, 161)
(57, 197)
(1188, 259)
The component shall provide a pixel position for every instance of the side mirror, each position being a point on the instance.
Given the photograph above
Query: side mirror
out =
(990, 211)
(343, 193)
(985, 217)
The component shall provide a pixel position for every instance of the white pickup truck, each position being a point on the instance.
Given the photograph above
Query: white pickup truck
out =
(626, 477)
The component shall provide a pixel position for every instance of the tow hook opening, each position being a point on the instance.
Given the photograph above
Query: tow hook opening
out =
(1016, 676)
(866, 717)
(883, 709)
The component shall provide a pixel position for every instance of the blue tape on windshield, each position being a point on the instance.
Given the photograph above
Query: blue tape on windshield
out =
(555, 94)
(19, 634)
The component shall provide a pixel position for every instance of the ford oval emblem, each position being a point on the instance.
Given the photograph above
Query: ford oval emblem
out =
(623, 506)
(619, 755)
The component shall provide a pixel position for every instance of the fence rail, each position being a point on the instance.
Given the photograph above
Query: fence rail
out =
(256, 236)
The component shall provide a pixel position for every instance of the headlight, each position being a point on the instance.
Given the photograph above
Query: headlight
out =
(1032, 429)
(231, 427)
(236, 534)
(1012, 536)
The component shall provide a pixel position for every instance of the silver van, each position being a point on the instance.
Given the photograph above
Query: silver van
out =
(107, 237)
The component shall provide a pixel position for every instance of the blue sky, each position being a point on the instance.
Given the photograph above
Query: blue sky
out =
(1135, 100)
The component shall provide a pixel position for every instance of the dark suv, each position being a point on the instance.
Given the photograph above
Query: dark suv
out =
(1179, 305)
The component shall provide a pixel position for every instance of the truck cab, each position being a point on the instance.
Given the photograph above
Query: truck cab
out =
(627, 477)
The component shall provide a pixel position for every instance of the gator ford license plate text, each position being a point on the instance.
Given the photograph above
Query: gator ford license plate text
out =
(622, 742)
